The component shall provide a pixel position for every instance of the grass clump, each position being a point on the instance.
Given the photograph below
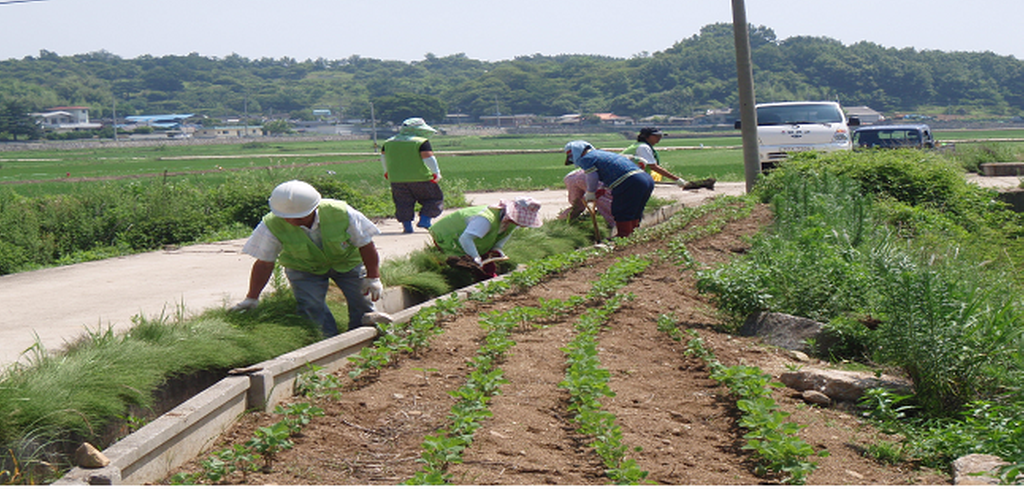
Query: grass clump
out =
(59, 401)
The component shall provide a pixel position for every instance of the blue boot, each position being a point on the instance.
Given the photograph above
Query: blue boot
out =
(407, 227)
(424, 222)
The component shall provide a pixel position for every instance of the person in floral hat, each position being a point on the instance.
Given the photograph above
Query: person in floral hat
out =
(480, 232)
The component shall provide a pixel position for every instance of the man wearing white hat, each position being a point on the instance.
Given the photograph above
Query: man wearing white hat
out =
(410, 166)
(317, 240)
(471, 230)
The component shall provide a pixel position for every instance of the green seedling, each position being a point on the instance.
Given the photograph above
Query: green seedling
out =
(269, 441)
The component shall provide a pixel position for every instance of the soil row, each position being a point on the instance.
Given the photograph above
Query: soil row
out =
(681, 422)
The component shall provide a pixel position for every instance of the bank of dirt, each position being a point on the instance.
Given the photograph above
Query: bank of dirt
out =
(665, 401)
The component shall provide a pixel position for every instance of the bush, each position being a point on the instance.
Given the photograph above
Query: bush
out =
(944, 306)
(104, 219)
(12, 258)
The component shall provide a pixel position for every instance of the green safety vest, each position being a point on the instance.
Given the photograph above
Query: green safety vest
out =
(402, 155)
(301, 253)
(446, 231)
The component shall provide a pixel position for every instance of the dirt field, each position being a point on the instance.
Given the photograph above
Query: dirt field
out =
(665, 402)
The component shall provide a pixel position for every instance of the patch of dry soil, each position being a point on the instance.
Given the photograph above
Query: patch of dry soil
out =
(665, 402)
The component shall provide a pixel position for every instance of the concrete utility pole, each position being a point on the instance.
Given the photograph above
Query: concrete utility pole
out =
(373, 122)
(113, 115)
(745, 79)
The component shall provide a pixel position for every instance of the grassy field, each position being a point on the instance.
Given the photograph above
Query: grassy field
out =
(478, 160)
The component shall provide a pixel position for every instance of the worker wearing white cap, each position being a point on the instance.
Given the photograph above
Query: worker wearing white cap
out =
(317, 240)
(411, 168)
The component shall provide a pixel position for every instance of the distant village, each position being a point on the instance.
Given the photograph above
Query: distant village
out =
(193, 126)
(188, 125)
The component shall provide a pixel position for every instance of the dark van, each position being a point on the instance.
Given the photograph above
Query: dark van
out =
(894, 136)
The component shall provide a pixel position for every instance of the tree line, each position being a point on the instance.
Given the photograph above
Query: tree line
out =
(693, 75)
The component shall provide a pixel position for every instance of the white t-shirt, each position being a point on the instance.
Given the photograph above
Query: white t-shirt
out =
(264, 246)
(645, 152)
(477, 227)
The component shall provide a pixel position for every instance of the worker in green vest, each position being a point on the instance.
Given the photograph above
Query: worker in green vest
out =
(480, 232)
(411, 168)
(642, 153)
(317, 241)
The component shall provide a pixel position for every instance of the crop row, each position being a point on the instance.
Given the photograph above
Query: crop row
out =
(779, 451)
(447, 444)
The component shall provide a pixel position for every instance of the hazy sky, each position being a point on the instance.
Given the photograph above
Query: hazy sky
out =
(490, 30)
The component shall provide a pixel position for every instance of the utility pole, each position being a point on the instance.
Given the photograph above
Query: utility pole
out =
(497, 111)
(373, 122)
(245, 107)
(748, 110)
(113, 114)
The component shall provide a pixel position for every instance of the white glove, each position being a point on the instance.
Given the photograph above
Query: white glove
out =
(373, 287)
(478, 260)
(589, 197)
(247, 304)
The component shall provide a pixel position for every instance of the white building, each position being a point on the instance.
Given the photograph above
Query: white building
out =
(66, 118)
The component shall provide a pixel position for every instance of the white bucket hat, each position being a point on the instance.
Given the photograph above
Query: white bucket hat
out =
(417, 127)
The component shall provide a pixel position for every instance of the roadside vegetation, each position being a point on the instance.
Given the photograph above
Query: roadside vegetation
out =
(914, 272)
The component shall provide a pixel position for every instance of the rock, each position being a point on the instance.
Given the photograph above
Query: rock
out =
(800, 356)
(87, 457)
(782, 330)
(977, 469)
(107, 476)
(841, 385)
(815, 397)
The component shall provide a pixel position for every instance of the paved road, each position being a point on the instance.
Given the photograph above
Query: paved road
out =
(61, 304)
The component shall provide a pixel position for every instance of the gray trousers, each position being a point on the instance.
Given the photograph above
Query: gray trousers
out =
(310, 292)
(407, 194)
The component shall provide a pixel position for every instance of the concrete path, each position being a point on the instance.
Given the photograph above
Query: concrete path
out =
(58, 305)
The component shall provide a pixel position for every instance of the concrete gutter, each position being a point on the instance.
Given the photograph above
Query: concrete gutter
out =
(190, 429)
(155, 450)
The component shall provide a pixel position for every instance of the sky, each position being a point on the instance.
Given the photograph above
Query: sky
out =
(486, 30)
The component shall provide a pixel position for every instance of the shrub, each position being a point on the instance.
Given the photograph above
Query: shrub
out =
(951, 326)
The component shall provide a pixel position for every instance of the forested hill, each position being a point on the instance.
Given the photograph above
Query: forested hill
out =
(695, 74)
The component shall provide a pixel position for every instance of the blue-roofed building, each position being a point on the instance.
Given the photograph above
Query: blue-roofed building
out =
(162, 121)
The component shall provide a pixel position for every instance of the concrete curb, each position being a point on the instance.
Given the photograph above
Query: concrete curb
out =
(151, 453)
(185, 432)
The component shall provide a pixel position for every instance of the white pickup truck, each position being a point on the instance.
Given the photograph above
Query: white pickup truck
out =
(784, 128)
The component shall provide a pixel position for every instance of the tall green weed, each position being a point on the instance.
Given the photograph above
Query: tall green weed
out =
(948, 316)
